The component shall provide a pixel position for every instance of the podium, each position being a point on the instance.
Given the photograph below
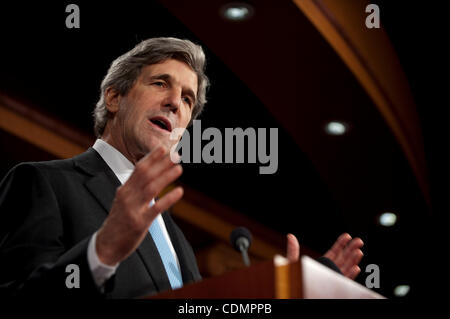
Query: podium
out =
(275, 279)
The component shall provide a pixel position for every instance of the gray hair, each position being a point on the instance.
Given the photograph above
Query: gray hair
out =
(125, 70)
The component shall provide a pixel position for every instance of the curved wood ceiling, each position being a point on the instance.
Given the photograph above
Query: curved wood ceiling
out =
(372, 59)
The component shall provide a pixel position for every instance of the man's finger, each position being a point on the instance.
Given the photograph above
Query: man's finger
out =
(154, 155)
(142, 166)
(353, 260)
(152, 167)
(353, 272)
(164, 203)
(153, 188)
(163, 163)
(293, 248)
(338, 247)
(355, 243)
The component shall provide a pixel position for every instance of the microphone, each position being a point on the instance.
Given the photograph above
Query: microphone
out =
(241, 239)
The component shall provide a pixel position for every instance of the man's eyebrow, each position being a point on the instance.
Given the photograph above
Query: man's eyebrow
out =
(169, 78)
(166, 77)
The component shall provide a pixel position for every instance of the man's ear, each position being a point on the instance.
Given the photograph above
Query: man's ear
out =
(112, 99)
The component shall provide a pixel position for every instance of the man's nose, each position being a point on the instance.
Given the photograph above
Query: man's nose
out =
(173, 100)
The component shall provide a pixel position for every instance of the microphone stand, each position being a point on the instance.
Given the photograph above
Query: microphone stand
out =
(243, 246)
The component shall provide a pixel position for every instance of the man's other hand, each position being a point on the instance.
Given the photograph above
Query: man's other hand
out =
(345, 253)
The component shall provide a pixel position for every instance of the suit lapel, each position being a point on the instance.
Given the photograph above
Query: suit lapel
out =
(185, 262)
(152, 260)
(103, 184)
(103, 188)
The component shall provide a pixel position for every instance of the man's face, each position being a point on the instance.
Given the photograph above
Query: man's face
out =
(161, 100)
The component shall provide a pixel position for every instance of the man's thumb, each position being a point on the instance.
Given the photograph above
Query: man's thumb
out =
(293, 248)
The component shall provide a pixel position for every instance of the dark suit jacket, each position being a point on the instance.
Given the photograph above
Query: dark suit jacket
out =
(48, 213)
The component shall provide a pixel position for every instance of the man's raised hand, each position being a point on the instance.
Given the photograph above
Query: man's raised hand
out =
(130, 215)
(345, 253)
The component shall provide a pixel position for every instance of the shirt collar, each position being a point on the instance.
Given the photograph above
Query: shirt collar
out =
(118, 163)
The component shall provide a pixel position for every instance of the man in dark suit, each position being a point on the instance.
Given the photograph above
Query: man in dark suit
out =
(97, 211)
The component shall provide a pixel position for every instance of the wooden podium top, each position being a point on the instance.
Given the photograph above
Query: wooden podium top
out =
(263, 280)
(274, 279)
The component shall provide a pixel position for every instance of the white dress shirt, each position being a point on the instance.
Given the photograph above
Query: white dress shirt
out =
(123, 169)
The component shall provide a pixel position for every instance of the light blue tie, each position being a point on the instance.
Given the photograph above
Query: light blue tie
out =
(168, 259)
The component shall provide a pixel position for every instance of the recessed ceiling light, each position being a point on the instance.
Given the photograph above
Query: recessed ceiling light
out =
(336, 128)
(387, 219)
(237, 11)
(401, 290)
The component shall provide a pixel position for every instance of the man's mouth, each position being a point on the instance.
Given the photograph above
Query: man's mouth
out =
(162, 123)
